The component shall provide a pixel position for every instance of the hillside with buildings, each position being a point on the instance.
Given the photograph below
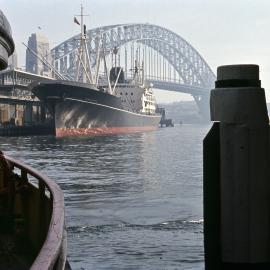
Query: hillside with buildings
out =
(185, 112)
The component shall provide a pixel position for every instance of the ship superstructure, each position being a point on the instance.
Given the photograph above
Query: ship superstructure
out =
(136, 95)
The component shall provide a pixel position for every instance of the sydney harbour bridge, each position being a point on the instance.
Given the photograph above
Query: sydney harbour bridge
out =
(170, 62)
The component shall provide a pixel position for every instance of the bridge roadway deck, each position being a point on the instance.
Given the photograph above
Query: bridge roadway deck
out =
(176, 87)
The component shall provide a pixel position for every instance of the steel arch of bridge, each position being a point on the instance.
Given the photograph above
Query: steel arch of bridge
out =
(187, 62)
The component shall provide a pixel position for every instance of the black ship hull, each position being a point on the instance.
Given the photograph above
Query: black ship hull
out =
(80, 110)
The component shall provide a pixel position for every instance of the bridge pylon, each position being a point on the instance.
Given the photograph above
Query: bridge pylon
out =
(203, 103)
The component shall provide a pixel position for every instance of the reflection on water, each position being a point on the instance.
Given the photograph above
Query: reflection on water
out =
(132, 201)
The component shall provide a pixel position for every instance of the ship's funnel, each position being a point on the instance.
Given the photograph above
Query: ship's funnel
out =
(114, 74)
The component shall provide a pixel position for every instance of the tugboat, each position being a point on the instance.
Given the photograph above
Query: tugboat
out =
(32, 227)
(84, 108)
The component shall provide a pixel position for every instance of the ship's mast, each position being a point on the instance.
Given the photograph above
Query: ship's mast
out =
(83, 57)
(83, 39)
(137, 69)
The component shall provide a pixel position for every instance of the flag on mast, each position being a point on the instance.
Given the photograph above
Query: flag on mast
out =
(76, 21)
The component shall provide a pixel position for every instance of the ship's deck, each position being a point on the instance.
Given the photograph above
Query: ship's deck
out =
(14, 254)
(15, 250)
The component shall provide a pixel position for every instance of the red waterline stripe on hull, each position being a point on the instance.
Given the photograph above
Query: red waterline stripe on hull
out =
(63, 132)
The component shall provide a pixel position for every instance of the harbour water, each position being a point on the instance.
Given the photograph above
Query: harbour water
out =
(132, 201)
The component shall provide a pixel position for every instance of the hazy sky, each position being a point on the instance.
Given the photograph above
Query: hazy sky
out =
(222, 31)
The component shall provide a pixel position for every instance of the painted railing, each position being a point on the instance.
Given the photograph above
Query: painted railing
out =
(43, 205)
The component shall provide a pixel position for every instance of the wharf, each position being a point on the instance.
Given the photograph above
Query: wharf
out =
(164, 121)
(21, 113)
(12, 131)
(167, 122)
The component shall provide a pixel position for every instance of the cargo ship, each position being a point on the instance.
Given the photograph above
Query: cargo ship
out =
(85, 107)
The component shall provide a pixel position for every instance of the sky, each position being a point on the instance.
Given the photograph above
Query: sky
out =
(222, 31)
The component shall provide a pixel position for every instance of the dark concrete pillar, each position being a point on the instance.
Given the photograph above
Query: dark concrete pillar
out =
(236, 173)
(42, 114)
(28, 114)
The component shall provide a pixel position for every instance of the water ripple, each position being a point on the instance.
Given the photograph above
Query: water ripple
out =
(167, 225)
(132, 201)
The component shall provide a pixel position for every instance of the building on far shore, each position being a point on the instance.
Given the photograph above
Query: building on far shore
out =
(40, 45)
